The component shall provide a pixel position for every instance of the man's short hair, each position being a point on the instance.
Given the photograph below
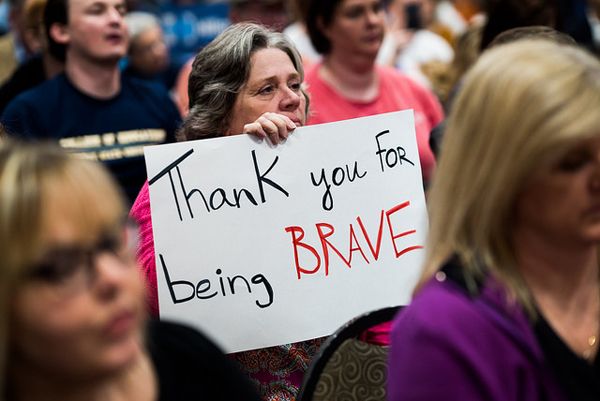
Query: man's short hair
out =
(56, 12)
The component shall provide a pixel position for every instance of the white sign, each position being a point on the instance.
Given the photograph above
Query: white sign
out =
(260, 245)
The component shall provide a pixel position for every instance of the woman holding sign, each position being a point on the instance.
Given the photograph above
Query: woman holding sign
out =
(509, 303)
(72, 316)
(348, 83)
(248, 80)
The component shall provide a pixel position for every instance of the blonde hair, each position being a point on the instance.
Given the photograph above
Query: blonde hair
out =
(33, 176)
(522, 105)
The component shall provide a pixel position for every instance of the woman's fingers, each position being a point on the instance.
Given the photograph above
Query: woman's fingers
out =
(272, 125)
(255, 129)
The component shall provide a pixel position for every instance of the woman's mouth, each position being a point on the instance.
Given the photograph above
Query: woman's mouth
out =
(373, 38)
(121, 324)
(114, 38)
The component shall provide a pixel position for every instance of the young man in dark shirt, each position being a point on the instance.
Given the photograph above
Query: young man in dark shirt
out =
(92, 109)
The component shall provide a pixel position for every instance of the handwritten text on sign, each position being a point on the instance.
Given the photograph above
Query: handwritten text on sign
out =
(259, 245)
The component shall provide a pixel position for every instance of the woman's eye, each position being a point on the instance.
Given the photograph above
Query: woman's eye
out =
(295, 86)
(266, 90)
(573, 162)
(110, 243)
(96, 10)
(354, 12)
(57, 268)
(378, 7)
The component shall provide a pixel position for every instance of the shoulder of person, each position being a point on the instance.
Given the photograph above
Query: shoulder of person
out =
(179, 337)
(392, 76)
(445, 311)
(179, 351)
(442, 307)
(188, 364)
(444, 346)
(29, 111)
(40, 95)
(424, 97)
(144, 87)
(153, 95)
(32, 69)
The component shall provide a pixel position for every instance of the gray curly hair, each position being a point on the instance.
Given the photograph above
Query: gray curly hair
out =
(218, 73)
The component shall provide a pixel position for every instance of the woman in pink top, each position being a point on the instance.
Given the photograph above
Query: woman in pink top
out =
(347, 83)
(248, 80)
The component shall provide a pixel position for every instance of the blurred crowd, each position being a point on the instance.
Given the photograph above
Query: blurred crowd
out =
(432, 41)
(505, 96)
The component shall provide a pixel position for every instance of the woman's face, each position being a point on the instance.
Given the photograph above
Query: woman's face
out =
(273, 86)
(357, 27)
(561, 203)
(80, 312)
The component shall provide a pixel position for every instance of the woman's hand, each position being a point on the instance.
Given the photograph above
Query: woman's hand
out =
(274, 126)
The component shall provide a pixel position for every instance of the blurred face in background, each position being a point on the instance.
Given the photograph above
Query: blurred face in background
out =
(95, 31)
(561, 202)
(148, 52)
(80, 310)
(357, 27)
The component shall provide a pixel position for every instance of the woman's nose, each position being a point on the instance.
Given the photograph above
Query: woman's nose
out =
(115, 16)
(111, 273)
(374, 17)
(291, 100)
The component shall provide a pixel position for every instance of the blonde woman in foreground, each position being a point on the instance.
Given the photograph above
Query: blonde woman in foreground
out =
(72, 308)
(508, 307)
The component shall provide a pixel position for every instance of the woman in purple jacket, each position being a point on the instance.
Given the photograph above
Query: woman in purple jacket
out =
(508, 307)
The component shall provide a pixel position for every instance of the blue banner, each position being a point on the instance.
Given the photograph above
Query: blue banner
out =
(188, 28)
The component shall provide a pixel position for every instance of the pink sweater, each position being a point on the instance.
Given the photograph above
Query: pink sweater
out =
(140, 212)
(396, 92)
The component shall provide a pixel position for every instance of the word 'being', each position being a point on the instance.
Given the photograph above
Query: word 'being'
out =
(204, 288)
(326, 230)
(217, 198)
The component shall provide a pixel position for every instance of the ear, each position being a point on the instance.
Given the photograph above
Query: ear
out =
(60, 34)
